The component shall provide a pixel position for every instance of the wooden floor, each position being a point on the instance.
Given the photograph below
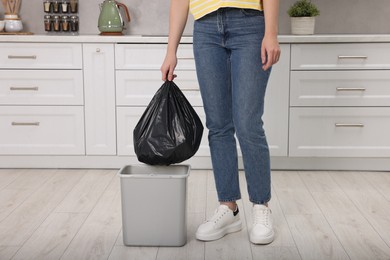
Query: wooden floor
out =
(76, 214)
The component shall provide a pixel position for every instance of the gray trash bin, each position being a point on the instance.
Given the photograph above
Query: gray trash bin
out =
(154, 202)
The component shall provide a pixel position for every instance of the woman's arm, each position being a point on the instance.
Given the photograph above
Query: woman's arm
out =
(178, 15)
(270, 51)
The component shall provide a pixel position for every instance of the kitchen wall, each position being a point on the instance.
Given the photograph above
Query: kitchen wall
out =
(151, 16)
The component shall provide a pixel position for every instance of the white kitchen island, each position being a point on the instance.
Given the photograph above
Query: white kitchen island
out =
(73, 101)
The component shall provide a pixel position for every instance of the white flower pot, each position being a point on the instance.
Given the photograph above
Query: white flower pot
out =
(13, 25)
(302, 25)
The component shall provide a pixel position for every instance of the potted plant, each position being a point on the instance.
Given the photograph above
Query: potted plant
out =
(303, 13)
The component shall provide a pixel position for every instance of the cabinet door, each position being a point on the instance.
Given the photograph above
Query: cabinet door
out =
(41, 56)
(340, 132)
(340, 88)
(333, 56)
(43, 130)
(128, 118)
(41, 87)
(99, 84)
(277, 106)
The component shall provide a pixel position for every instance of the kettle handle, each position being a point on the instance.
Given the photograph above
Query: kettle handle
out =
(126, 10)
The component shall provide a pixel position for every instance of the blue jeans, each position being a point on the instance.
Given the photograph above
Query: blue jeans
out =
(227, 49)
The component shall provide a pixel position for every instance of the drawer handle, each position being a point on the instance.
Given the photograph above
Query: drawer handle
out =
(349, 125)
(344, 57)
(351, 89)
(25, 123)
(189, 89)
(185, 58)
(32, 57)
(24, 88)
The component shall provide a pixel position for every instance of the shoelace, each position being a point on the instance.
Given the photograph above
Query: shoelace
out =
(261, 216)
(218, 214)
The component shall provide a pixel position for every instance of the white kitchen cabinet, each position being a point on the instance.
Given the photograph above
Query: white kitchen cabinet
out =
(54, 130)
(41, 87)
(41, 99)
(276, 107)
(340, 132)
(74, 101)
(340, 88)
(138, 77)
(41, 56)
(340, 100)
(99, 85)
(340, 56)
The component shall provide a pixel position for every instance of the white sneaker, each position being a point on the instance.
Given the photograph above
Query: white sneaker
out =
(224, 221)
(262, 230)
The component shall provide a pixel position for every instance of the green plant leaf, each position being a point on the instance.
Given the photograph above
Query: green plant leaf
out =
(303, 8)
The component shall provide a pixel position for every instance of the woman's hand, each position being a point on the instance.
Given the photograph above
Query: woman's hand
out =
(168, 67)
(270, 51)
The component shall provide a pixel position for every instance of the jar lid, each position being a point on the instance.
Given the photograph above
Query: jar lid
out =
(74, 17)
(47, 16)
(65, 17)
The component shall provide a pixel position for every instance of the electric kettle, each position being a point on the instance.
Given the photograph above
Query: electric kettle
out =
(110, 19)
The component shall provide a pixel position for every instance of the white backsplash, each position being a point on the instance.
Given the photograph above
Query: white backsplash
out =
(150, 17)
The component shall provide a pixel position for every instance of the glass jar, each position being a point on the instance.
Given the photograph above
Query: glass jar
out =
(56, 6)
(73, 6)
(65, 6)
(47, 6)
(56, 23)
(48, 23)
(74, 23)
(65, 23)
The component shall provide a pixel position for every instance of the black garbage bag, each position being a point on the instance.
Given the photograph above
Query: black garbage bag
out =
(169, 130)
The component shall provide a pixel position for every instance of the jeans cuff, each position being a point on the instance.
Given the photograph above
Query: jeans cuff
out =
(229, 200)
(260, 201)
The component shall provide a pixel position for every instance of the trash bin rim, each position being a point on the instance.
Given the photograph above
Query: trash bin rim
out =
(153, 175)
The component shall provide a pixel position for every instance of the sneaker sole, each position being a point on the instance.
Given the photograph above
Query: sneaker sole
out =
(234, 227)
(262, 240)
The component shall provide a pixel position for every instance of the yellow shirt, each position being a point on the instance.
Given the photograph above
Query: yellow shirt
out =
(200, 8)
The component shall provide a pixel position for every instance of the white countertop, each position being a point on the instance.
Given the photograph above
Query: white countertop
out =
(317, 38)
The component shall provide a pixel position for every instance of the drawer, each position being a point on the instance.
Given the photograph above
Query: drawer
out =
(151, 56)
(41, 87)
(43, 130)
(340, 56)
(127, 119)
(340, 132)
(340, 88)
(41, 56)
(137, 88)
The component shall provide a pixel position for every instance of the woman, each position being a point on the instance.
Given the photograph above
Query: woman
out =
(235, 45)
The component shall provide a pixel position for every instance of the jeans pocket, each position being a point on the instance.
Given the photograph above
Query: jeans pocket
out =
(251, 12)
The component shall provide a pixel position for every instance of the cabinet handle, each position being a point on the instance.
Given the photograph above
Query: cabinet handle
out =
(351, 89)
(25, 123)
(345, 57)
(32, 57)
(97, 49)
(24, 88)
(189, 89)
(185, 58)
(348, 125)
